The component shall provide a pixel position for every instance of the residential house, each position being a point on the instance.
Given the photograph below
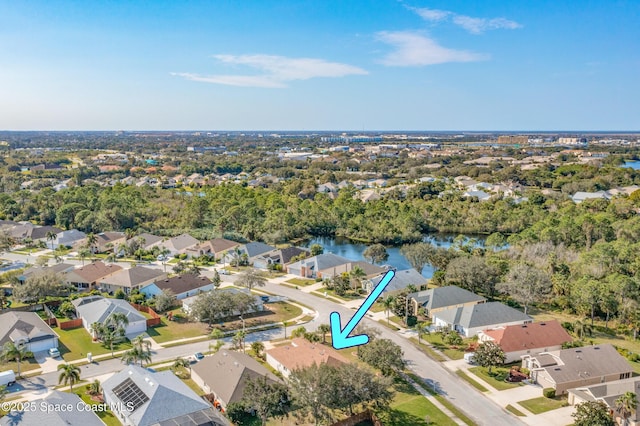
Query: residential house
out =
(130, 279)
(49, 411)
(608, 393)
(182, 286)
(178, 245)
(28, 329)
(28, 230)
(481, 195)
(86, 277)
(438, 299)
(68, 238)
(278, 257)
(527, 339)
(577, 367)
(226, 373)
(258, 304)
(254, 249)
(302, 354)
(401, 280)
(139, 397)
(108, 241)
(470, 320)
(311, 267)
(216, 247)
(581, 196)
(370, 270)
(98, 309)
(58, 268)
(146, 241)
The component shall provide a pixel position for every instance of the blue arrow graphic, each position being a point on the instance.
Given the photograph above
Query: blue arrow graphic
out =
(340, 337)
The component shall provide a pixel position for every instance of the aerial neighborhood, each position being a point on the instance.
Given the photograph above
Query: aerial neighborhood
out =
(190, 279)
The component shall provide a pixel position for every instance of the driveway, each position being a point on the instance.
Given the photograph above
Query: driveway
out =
(47, 363)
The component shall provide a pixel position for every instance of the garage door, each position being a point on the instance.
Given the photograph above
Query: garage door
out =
(137, 327)
(42, 345)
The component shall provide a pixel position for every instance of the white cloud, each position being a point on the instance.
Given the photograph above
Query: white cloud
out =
(433, 15)
(276, 70)
(412, 49)
(471, 24)
(480, 25)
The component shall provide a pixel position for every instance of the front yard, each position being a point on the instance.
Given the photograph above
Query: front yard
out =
(542, 404)
(177, 329)
(496, 378)
(76, 343)
(26, 365)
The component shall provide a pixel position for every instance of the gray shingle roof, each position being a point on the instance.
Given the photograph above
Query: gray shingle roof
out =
(53, 417)
(401, 280)
(256, 248)
(16, 325)
(586, 362)
(441, 297)
(133, 277)
(482, 315)
(98, 309)
(170, 400)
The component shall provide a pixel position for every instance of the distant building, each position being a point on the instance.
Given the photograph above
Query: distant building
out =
(513, 140)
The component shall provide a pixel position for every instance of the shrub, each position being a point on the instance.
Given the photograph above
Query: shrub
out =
(549, 392)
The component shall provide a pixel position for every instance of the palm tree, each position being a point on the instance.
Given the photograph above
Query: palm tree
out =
(420, 329)
(83, 253)
(387, 302)
(182, 363)
(192, 269)
(96, 330)
(51, 236)
(164, 253)
(357, 275)
(217, 335)
(626, 405)
(129, 233)
(95, 388)
(91, 241)
(69, 374)
(143, 348)
(257, 348)
(324, 329)
(238, 340)
(582, 329)
(13, 352)
(117, 320)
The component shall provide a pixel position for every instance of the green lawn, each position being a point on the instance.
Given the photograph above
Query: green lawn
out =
(106, 416)
(428, 350)
(409, 407)
(76, 343)
(26, 365)
(513, 410)
(464, 376)
(177, 329)
(496, 378)
(302, 282)
(388, 324)
(543, 404)
(452, 352)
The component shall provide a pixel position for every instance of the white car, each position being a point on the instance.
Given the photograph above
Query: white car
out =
(54, 353)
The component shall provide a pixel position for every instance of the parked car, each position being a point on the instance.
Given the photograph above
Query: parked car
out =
(198, 356)
(54, 353)
(224, 272)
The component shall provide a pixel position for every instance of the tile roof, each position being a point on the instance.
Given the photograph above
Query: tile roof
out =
(302, 353)
(537, 335)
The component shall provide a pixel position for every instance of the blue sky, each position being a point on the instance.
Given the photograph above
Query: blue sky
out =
(319, 65)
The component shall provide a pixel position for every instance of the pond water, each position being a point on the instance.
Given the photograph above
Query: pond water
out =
(632, 165)
(351, 250)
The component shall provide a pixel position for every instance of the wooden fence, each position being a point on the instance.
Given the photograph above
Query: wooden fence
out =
(155, 318)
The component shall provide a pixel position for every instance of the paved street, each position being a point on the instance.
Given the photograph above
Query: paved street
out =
(478, 407)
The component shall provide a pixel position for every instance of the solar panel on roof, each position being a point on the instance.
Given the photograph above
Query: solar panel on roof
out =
(130, 394)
